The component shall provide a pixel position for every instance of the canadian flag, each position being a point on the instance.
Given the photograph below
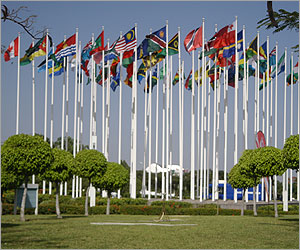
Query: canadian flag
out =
(12, 50)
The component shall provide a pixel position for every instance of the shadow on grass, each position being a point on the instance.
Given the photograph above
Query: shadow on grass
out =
(7, 225)
(290, 219)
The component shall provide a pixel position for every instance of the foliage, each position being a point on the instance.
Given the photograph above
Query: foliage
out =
(9, 180)
(238, 179)
(25, 155)
(121, 201)
(68, 144)
(115, 177)
(61, 168)
(172, 204)
(290, 152)
(90, 163)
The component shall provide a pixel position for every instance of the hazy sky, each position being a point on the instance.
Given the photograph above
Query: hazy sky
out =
(62, 18)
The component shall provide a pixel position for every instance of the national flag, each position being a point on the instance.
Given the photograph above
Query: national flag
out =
(272, 57)
(280, 66)
(128, 80)
(127, 42)
(142, 50)
(98, 44)
(154, 80)
(263, 51)
(66, 48)
(114, 65)
(99, 77)
(85, 57)
(58, 69)
(157, 40)
(12, 50)
(172, 47)
(252, 50)
(193, 40)
(39, 49)
(229, 50)
(176, 78)
(115, 81)
(295, 75)
(188, 82)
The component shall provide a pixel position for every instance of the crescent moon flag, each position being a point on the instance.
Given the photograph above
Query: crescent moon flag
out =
(127, 42)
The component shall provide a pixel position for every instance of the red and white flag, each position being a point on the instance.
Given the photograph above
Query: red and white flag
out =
(127, 42)
(12, 50)
(193, 40)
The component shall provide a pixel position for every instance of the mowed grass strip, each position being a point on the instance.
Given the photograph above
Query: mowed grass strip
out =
(211, 232)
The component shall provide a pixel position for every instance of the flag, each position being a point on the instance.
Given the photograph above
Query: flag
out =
(172, 47)
(157, 40)
(66, 48)
(176, 78)
(85, 57)
(128, 80)
(58, 69)
(263, 51)
(154, 80)
(142, 50)
(228, 51)
(272, 57)
(193, 40)
(188, 82)
(39, 49)
(127, 42)
(115, 81)
(252, 50)
(12, 50)
(114, 65)
(98, 44)
(280, 66)
(295, 75)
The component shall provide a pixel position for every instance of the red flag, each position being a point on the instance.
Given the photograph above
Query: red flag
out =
(12, 50)
(193, 40)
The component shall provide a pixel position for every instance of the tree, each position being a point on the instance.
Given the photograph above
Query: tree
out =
(268, 161)
(115, 177)
(88, 164)
(280, 20)
(237, 179)
(249, 170)
(68, 144)
(59, 171)
(25, 155)
(290, 152)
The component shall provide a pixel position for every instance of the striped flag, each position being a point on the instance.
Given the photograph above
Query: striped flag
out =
(193, 40)
(12, 50)
(127, 42)
(66, 48)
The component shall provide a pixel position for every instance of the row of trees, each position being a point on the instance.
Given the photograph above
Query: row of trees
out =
(264, 162)
(25, 155)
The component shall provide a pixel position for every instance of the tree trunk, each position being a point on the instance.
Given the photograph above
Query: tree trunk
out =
(254, 201)
(87, 200)
(57, 202)
(243, 198)
(108, 203)
(22, 213)
(275, 199)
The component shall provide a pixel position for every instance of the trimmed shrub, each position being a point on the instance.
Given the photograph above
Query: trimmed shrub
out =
(176, 204)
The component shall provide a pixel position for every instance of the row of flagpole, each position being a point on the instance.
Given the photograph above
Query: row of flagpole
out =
(204, 150)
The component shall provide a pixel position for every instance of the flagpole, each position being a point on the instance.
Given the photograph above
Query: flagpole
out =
(171, 126)
(225, 129)
(145, 136)
(81, 126)
(156, 128)
(298, 173)
(291, 132)
(18, 85)
(120, 115)
(107, 108)
(150, 128)
(52, 109)
(79, 179)
(268, 113)
(202, 113)
(33, 100)
(276, 115)
(284, 181)
(207, 134)
(46, 96)
(218, 89)
(67, 112)
(245, 91)
(167, 114)
(198, 129)
(180, 117)
(163, 135)
(103, 100)
(91, 100)
(193, 132)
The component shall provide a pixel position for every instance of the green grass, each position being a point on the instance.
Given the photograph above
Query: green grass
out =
(221, 232)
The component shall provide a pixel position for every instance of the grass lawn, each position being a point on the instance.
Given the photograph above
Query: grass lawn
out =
(221, 232)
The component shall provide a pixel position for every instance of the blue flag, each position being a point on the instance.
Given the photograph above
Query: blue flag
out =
(230, 50)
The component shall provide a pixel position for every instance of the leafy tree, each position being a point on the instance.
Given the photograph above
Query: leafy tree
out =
(25, 155)
(280, 20)
(237, 179)
(60, 171)
(115, 177)
(68, 144)
(90, 163)
(268, 161)
(290, 152)
(249, 170)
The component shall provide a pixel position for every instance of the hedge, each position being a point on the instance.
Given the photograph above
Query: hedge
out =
(138, 210)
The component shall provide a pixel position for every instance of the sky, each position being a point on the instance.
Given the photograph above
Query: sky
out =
(63, 17)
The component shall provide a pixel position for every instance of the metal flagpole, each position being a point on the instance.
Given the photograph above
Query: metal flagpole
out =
(103, 99)
(67, 112)
(107, 108)
(81, 127)
(18, 84)
(245, 92)
(91, 100)
(268, 113)
(198, 127)
(218, 89)
(33, 101)
(284, 184)
(51, 114)
(156, 128)
(206, 143)
(180, 118)
(192, 196)
(120, 116)
(75, 114)
(225, 129)
(145, 136)
(276, 115)
(167, 113)
(46, 101)
(291, 132)
(171, 125)
(78, 180)
(208, 119)
(202, 113)
(163, 135)
(150, 128)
